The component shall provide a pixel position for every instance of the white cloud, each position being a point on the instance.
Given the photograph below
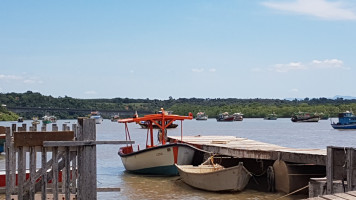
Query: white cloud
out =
(294, 90)
(315, 64)
(10, 77)
(328, 64)
(16, 78)
(212, 70)
(198, 70)
(322, 9)
(29, 81)
(32, 80)
(90, 92)
(289, 67)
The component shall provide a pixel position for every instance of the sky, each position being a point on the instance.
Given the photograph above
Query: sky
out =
(157, 48)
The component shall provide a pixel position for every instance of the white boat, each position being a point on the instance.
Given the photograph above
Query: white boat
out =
(201, 116)
(96, 115)
(215, 177)
(238, 116)
(158, 159)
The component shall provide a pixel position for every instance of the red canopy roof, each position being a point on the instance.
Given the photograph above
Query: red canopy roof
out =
(162, 116)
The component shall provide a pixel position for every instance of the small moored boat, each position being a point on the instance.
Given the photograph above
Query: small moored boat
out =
(347, 120)
(225, 117)
(115, 118)
(201, 116)
(271, 116)
(305, 117)
(49, 119)
(214, 177)
(96, 115)
(238, 116)
(158, 159)
(20, 119)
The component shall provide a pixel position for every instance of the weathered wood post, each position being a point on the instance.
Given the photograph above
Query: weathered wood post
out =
(351, 169)
(10, 185)
(329, 171)
(87, 160)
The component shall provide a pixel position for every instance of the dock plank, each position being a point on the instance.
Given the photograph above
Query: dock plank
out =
(345, 196)
(247, 148)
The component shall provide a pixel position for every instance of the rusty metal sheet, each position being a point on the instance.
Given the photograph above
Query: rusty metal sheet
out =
(37, 138)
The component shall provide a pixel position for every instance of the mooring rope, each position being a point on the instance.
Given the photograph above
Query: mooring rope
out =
(293, 192)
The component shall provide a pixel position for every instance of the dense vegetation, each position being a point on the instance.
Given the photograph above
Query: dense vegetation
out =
(6, 115)
(251, 108)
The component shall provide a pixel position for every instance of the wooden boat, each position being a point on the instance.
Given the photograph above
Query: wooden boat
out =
(158, 159)
(238, 116)
(20, 119)
(225, 117)
(35, 121)
(49, 119)
(347, 120)
(201, 116)
(305, 117)
(214, 177)
(96, 115)
(271, 116)
(115, 118)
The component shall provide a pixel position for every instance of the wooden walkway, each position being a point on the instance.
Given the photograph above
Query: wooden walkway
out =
(246, 148)
(339, 196)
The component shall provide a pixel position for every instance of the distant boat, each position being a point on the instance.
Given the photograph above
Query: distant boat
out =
(115, 118)
(238, 116)
(35, 121)
(214, 177)
(49, 119)
(96, 115)
(305, 117)
(225, 117)
(271, 116)
(201, 116)
(20, 119)
(347, 120)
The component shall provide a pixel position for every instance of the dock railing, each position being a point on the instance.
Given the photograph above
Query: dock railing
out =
(67, 156)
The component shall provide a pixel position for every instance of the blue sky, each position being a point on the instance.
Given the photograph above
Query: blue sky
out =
(156, 49)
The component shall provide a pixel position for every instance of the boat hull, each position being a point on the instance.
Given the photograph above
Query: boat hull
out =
(98, 119)
(227, 119)
(313, 119)
(159, 160)
(145, 126)
(344, 126)
(202, 118)
(228, 179)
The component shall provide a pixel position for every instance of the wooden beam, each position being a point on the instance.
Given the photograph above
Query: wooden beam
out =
(81, 143)
(37, 138)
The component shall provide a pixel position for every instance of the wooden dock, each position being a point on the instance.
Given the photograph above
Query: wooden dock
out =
(246, 148)
(338, 196)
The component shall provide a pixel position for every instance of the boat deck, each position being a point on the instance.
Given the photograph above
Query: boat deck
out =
(246, 148)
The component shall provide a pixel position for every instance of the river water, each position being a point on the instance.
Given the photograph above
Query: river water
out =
(283, 132)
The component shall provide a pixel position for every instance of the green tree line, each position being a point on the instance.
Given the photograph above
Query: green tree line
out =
(251, 108)
(6, 115)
